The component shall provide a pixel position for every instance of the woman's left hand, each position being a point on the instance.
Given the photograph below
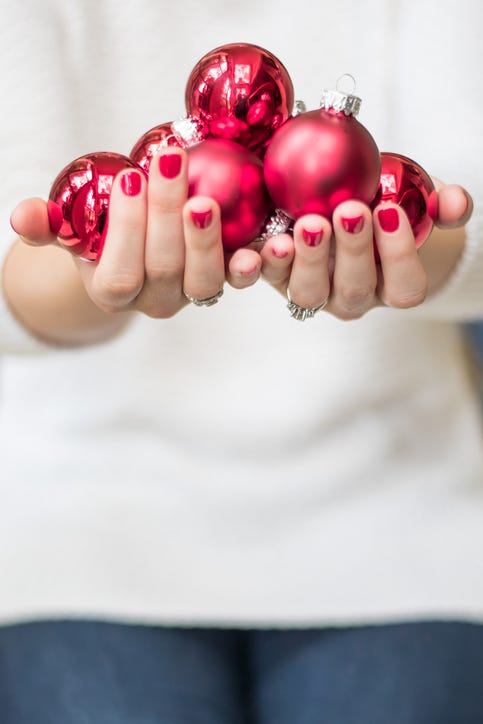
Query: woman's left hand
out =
(334, 264)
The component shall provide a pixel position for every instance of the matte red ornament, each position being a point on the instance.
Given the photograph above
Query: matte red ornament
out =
(233, 176)
(243, 92)
(81, 191)
(405, 183)
(321, 158)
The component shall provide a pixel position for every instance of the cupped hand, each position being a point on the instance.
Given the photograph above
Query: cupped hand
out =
(334, 265)
(159, 243)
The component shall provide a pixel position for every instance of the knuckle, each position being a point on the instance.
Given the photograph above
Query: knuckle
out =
(166, 205)
(164, 274)
(396, 254)
(405, 299)
(116, 289)
(354, 299)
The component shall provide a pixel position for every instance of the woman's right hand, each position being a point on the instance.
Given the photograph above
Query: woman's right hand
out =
(159, 243)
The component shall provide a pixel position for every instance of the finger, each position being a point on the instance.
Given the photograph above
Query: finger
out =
(455, 207)
(404, 281)
(243, 268)
(204, 272)
(309, 284)
(116, 280)
(36, 221)
(277, 255)
(167, 194)
(164, 249)
(355, 277)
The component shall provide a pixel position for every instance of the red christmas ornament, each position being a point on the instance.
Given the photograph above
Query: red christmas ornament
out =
(404, 182)
(243, 93)
(320, 158)
(151, 142)
(183, 133)
(81, 192)
(233, 176)
(223, 170)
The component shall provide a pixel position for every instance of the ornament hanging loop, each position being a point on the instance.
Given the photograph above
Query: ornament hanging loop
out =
(341, 82)
(341, 101)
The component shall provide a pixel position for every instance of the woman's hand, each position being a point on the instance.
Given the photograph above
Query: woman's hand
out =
(158, 245)
(334, 264)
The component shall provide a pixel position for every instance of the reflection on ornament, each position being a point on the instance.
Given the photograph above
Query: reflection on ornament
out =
(151, 143)
(404, 182)
(81, 191)
(243, 93)
(183, 133)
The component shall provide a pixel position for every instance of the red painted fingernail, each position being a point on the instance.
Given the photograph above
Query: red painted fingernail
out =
(170, 165)
(312, 238)
(388, 219)
(202, 219)
(247, 272)
(131, 183)
(279, 253)
(56, 218)
(354, 225)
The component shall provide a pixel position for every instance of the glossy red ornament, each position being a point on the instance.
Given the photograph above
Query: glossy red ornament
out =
(233, 176)
(405, 183)
(243, 93)
(81, 191)
(151, 142)
(320, 158)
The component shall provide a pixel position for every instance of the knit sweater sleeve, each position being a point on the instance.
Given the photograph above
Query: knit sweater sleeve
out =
(38, 126)
(439, 125)
(461, 297)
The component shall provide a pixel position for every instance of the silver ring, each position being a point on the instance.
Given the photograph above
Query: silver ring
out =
(208, 302)
(303, 313)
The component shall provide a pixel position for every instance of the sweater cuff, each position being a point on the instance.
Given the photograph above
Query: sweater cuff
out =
(461, 298)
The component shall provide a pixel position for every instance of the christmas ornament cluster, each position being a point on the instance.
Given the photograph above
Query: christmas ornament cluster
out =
(265, 163)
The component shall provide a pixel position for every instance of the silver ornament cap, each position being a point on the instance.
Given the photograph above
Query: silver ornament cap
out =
(189, 131)
(277, 223)
(341, 101)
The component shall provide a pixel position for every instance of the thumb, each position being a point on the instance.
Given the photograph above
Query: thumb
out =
(455, 205)
(36, 221)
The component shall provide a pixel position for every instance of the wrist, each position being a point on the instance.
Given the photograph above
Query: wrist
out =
(45, 294)
(440, 255)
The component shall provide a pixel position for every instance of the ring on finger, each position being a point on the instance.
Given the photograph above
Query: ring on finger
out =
(207, 302)
(303, 313)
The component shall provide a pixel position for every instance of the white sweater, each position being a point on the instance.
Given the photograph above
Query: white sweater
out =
(232, 466)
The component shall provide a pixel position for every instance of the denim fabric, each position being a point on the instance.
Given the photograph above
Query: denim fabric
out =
(73, 672)
(475, 334)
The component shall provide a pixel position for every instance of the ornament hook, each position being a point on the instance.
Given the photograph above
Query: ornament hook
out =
(353, 84)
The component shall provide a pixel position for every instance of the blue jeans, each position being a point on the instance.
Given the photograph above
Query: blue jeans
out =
(72, 672)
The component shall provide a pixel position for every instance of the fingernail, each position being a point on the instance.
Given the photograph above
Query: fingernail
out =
(388, 219)
(247, 272)
(279, 253)
(55, 216)
(312, 238)
(354, 225)
(202, 219)
(131, 183)
(170, 165)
